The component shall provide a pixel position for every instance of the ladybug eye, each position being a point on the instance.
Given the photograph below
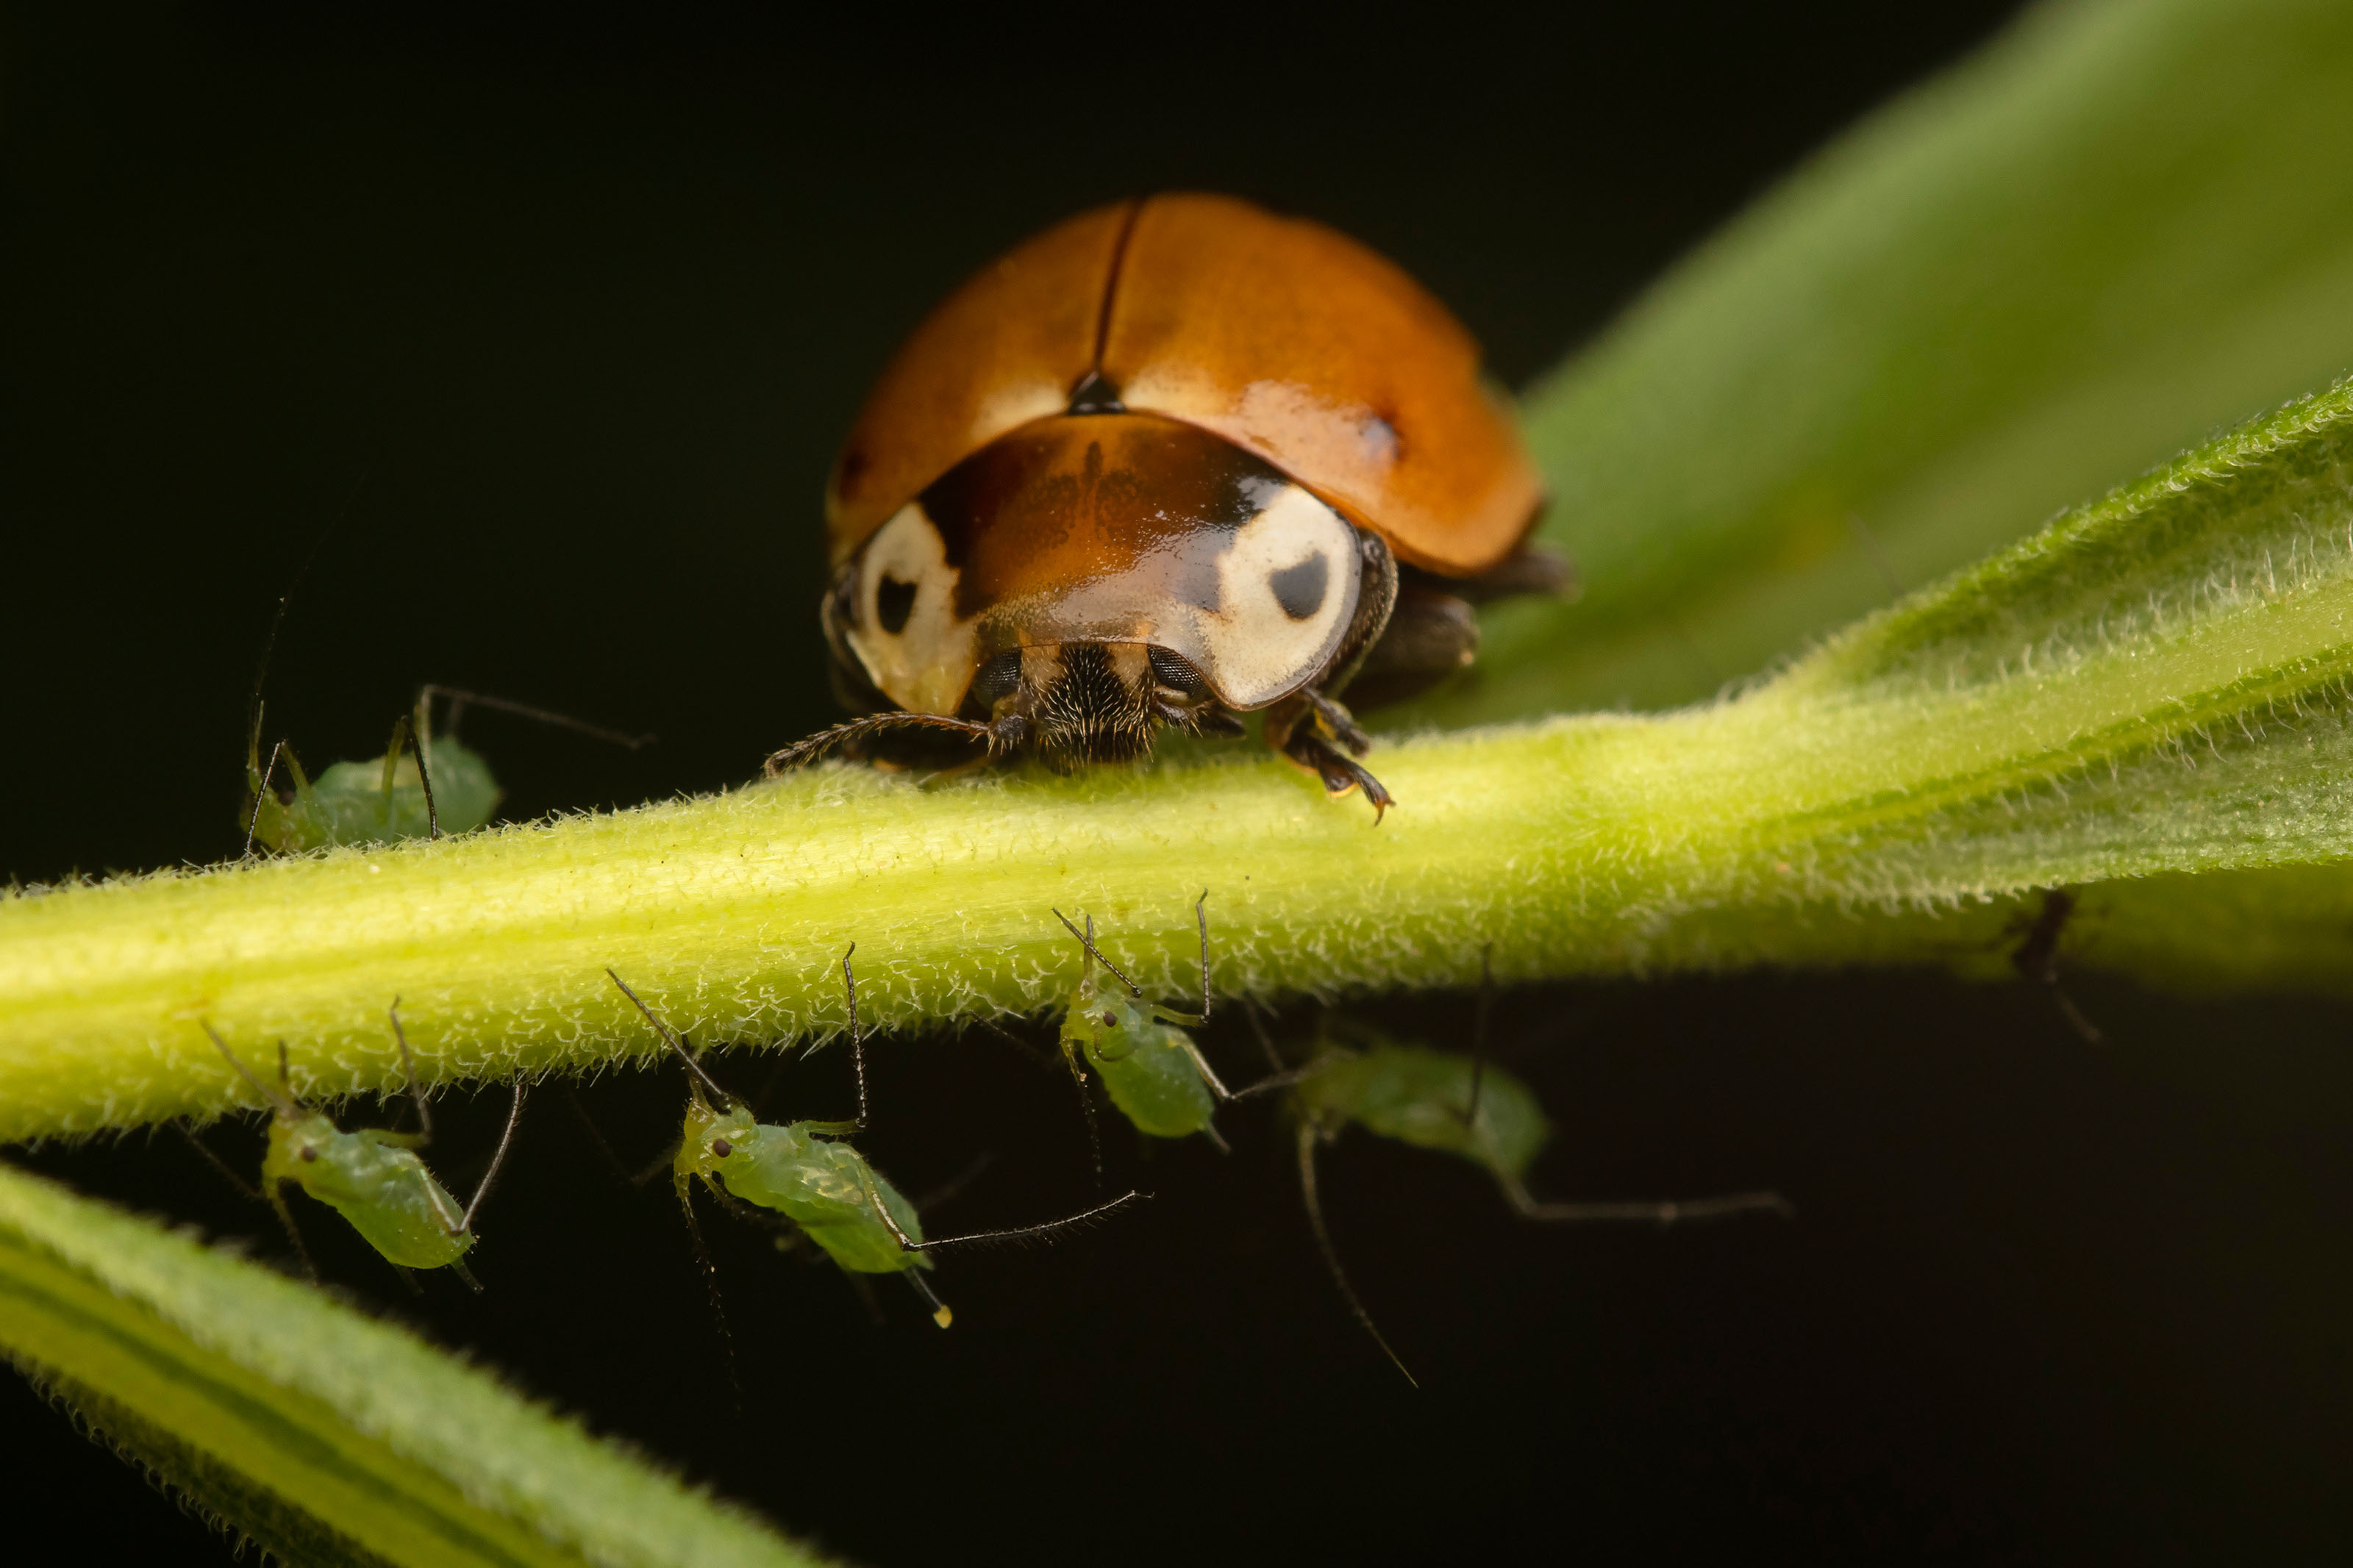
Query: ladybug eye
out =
(1177, 673)
(721, 1147)
(893, 601)
(997, 678)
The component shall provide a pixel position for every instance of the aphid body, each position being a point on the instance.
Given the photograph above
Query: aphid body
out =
(806, 1172)
(1149, 1066)
(1169, 462)
(801, 1171)
(373, 1176)
(380, 801)
(375, 1179)
(1426, 1097)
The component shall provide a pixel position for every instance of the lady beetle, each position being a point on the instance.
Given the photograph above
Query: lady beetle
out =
(1167, 463)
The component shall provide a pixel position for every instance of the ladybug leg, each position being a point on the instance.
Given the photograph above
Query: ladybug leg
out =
(1309, 729)
(1339, 723)
(1340, 772)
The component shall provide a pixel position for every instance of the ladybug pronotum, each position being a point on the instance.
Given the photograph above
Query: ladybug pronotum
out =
(1170, 462)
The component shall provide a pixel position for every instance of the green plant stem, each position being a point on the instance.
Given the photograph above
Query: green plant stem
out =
(2156, 684)
(325, 1436)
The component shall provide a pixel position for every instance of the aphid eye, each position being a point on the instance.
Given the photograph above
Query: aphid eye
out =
(307, 1154)
(721, 1147)
(1110, 1020)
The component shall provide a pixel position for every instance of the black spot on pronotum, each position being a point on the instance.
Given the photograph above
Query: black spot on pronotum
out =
(721, 1147)
(1299, 589)
(893, 601)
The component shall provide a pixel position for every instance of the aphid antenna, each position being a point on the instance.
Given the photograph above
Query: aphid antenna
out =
(269, 646)
(408, 1067)
(1087, 940)
(670, 1040)
(1308, 1138)
(460, 699)
(284, 1103)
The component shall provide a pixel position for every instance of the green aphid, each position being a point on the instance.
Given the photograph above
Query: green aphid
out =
(1460, 1105)
(372, 1177)
(381, 801)
(1148, 1064)
(805, 1173)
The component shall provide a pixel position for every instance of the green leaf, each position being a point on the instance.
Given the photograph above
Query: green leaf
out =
(325, 1436)
(2119, 229)
(2155, 684)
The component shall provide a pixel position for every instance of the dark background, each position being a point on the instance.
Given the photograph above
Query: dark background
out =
(534, 339)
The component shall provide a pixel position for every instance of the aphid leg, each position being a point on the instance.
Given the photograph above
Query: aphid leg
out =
(459, 700)
(425, 781)
(710, 1284)
(2037, 958)
(260, 783)
(597, 1136)
(1087, 1109)
(859, 1287)
(940, 1313)
(458, 1266)
(285, 1077)
(1265, 1041)
(666, 1160)
(409, 1068)
(1479, 1032)
(243, 1187)
(983, 1237)
(948, 1191)
(857, 1035)
(1667, 1212)
(277, 1197)
(1308, 1139)
(1288, 1076)
(498, 1160)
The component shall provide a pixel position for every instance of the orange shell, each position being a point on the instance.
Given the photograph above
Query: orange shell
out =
(1289, 340)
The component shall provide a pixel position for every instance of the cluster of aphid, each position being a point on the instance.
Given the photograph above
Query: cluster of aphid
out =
(806, 1179)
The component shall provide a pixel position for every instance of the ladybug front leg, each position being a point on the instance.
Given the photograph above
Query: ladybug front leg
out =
(1311, 729)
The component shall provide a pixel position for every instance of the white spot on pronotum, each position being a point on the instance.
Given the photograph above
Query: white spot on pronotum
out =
(904, 624)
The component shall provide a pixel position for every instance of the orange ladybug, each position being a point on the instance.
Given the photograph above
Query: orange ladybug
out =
(1170, 462)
